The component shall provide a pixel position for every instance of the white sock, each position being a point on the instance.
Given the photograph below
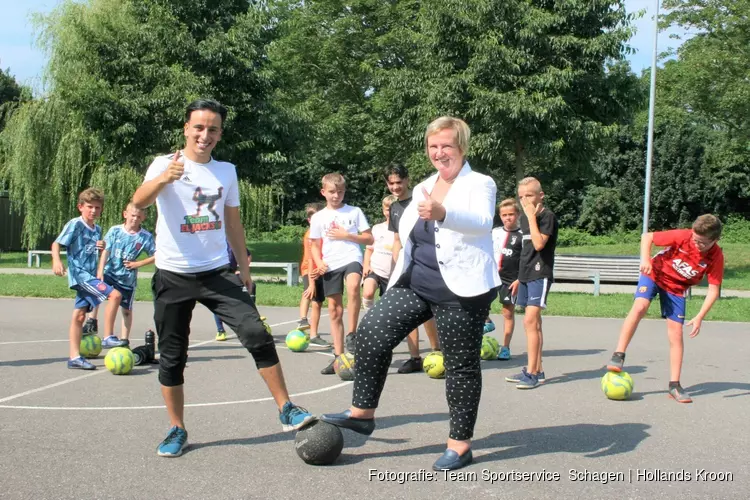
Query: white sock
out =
(368, 304)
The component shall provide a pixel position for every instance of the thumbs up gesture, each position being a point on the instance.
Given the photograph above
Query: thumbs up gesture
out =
(175, 169)
(429, 209)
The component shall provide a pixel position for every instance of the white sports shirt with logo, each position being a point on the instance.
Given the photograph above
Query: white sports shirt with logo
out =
(381, 260)
(190, 232)
(339, 253)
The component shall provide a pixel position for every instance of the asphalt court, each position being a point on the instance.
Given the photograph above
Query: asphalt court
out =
(74, 434)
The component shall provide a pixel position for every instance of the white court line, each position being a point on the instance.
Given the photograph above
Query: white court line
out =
(190, 405)
(97, 372)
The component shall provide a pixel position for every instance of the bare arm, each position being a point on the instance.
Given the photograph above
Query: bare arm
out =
(57, 266)
(364, 238)
(102, 262)
(708, 302)
(647, 241)
(146, 194)
(538, 239)
(396, 249)
(366, 261)
(317, 255)
(236, 238)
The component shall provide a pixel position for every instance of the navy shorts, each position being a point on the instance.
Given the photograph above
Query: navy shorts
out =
(672, 306)
(533, 293)
(128, 294)
(91, 294)
(333, 281)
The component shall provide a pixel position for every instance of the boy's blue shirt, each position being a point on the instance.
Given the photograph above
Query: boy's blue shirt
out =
(79, 241)
(124, 246)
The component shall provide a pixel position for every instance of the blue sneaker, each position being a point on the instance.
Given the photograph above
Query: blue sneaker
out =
(530, 381)
(541, 377)
(80, 363)
(504, 354)
(294, 417)
(174, 444)
(514, 379)
(113, 341)
(489, 326)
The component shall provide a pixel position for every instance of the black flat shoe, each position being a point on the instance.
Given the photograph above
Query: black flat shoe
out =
(346, 421)
(450, 460)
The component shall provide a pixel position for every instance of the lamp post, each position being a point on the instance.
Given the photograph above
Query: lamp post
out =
(651, 106)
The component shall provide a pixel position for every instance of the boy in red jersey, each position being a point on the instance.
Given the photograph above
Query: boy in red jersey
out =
(688, 256)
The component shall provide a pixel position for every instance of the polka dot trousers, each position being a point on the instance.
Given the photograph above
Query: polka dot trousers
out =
(460, 330)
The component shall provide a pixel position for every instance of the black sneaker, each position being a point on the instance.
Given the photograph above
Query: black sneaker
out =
(411, 365)
(350, 343)
(616, 363)
(90, 327)
(328, 370)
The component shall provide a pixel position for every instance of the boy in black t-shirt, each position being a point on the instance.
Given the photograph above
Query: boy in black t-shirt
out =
(539, 228)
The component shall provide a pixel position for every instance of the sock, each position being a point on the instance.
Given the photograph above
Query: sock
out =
(368, 304)
(673, 384)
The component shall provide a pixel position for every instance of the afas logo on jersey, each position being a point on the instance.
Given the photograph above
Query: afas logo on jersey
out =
(684, 268)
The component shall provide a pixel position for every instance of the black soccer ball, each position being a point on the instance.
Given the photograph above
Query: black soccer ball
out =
(319, 443)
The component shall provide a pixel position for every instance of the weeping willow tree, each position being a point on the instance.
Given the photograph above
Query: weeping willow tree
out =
(120, 74)
(46, 160)
(262, 207)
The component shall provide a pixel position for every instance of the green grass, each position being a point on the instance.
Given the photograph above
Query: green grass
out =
(273, 294)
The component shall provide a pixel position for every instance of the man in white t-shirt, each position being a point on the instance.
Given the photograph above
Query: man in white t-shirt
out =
(197, 199)
(378, 258)
(336, 233)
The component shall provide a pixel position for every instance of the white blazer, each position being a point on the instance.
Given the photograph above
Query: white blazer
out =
(463, 240)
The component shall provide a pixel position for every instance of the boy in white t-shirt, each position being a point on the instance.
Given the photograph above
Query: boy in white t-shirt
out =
(336, 233)
(198, 201)
(378, 258)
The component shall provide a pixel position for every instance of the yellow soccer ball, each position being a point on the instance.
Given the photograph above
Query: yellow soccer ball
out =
(433, 365)
(617, 386)
(119, 361)
(91, 346)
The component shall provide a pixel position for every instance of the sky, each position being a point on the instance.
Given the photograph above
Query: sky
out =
(26, 62)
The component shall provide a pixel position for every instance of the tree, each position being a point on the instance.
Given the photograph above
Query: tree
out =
(534, 79)
(11, 95)
(709, 82)
(121, 74)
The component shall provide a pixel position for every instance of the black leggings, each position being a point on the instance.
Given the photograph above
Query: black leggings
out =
(460, 330)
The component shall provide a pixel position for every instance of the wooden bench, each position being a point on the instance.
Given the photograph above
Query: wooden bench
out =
(36, 254)
(597, 269)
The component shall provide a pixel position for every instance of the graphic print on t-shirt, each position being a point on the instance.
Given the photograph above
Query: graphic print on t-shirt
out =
(197, 222)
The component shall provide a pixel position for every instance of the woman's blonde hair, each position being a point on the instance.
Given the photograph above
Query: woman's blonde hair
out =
(461, 129)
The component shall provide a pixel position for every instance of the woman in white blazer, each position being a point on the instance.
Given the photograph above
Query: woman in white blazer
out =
(445, 270)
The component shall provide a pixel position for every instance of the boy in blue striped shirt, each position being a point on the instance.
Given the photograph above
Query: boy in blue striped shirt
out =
(82, 238)
(118, 267)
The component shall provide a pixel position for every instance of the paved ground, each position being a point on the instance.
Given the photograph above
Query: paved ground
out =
(559, 287)
(72, 434)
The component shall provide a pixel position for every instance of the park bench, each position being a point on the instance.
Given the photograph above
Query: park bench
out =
(36, 254)
(597, 269)
(292, 268)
